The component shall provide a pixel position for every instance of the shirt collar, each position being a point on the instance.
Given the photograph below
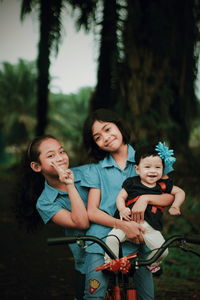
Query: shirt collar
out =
(52, 193)
(131, 154)
(108, 161)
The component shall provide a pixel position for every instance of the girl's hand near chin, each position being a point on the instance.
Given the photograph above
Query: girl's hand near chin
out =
(65, 175)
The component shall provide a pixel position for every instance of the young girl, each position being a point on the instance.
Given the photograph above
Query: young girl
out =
(55, 190)
(107, 141)
(149, 166)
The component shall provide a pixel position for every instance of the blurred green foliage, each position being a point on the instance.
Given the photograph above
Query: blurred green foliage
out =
(66, 113)
(18, 113)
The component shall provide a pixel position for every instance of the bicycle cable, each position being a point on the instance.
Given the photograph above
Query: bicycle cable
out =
(83, 244)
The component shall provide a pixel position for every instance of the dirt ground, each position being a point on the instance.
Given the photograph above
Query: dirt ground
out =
(32, 270)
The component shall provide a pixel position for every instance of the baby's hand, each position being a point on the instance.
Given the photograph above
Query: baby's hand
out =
(139, 208)
(174, 211)
(125, 214)
(65, 175)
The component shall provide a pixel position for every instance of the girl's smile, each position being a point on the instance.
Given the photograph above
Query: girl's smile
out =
(150, 170)
(107, 136)
(52, 151)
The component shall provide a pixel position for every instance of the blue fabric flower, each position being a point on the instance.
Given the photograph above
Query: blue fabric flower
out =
(165, 153)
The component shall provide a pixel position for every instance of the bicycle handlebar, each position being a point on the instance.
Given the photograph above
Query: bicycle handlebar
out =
(79, 240)
(139, 262)
(165, 245)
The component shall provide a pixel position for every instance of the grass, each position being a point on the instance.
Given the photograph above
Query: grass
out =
(180, 278)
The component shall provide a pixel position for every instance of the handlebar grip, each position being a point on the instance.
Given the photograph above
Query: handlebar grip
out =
(61, 240)
(192, 240)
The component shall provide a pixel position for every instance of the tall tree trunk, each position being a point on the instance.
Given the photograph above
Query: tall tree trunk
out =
(159, 69)
(43, 63)
(105, 93)
(184, 105)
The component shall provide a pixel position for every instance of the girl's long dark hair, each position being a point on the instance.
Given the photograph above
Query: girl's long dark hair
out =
(30, 186)
(103, 115)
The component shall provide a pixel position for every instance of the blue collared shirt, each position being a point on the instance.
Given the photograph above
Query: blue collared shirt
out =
(52, 200)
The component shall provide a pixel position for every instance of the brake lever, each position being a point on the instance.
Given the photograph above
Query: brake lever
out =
(185, 247)
(81, 244)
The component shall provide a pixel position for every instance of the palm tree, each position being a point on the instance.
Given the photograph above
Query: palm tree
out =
(107, 75)
(106, 15)
(50, 34)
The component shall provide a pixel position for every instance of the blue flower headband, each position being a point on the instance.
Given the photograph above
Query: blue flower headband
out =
(165, 153)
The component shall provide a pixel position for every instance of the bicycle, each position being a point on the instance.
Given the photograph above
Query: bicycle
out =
(121, 268)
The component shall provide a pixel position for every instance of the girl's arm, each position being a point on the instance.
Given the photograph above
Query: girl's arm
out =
(140, 205)
(77, 217)
(179, 197)
(132, 229)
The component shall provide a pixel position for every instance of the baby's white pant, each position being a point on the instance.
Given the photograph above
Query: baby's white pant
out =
(115, 237)
(153, 239)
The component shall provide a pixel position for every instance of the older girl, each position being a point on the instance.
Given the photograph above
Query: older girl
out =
(107, 141)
